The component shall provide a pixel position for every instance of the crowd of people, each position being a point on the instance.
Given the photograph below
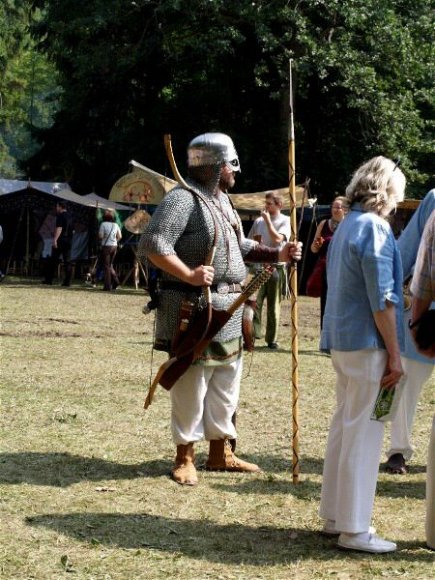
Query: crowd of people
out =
(57, 233)
(195, 239)
(195, 242)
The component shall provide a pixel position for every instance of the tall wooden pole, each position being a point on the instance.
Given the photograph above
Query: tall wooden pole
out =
(293, 287)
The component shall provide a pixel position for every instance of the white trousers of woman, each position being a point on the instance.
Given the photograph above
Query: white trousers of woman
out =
(354, 442)
(204, 400)
(417, 373)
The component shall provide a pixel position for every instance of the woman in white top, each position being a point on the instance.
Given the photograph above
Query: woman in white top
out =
(109, 235)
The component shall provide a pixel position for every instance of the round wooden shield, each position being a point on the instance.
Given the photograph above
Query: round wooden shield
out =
(137, 222)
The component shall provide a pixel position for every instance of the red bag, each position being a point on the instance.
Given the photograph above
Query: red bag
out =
(314, 285)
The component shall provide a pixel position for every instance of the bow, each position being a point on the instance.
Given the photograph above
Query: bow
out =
(210, 257)
(208, 262)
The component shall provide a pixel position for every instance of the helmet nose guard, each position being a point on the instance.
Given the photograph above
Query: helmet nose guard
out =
(212, 149)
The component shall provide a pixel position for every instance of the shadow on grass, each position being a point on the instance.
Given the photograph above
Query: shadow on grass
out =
(64, 469)
(286, 348)
(120, 291)
(402, 487)
(308, 490)
(77, 286)
(274, 463)
(231, 543)
(314, 352)
(263, 348)
(304, 490)
(278, 463)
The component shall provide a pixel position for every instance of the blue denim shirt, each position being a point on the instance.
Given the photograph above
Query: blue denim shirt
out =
(364, 270)
(409, 239)
(408, 243)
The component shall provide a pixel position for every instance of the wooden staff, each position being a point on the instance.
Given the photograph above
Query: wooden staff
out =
(293, 287)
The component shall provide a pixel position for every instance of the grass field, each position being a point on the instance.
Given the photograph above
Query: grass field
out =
(84, 483)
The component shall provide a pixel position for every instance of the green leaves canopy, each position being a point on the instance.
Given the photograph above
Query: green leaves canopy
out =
(132, 70)
(28, 86)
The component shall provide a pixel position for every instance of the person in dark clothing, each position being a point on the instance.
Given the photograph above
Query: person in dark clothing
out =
(322, 238)
(1, 239)
(61, 245)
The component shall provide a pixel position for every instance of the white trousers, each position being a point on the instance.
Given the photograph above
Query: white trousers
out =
(204, 400)
(354, 442)
(401, 427)
(430, 491)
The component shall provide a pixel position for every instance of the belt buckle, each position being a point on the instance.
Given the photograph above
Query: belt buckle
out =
(223, 288)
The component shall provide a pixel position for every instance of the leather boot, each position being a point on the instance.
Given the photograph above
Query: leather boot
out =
(222, 458)
(233, 442)
(184, 471)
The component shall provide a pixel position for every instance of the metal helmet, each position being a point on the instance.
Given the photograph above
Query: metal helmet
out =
(212, 149)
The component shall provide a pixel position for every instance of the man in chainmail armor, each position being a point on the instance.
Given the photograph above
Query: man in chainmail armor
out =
(178, 240)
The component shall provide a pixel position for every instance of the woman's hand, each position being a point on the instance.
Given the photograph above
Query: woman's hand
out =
(385, 321)
(317, 244)
(393, 372)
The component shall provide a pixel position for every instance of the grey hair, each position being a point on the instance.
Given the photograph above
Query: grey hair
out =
(377, 185)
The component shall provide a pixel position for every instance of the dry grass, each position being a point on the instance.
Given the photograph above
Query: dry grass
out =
(84, 480)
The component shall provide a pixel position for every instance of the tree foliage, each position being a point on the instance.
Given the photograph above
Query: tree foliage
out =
(28, 86)
(133, 70)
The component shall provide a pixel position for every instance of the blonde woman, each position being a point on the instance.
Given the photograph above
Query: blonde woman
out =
(363, 332)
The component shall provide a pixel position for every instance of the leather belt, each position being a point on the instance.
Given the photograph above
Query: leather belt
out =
(220, 288)
(226, 288)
